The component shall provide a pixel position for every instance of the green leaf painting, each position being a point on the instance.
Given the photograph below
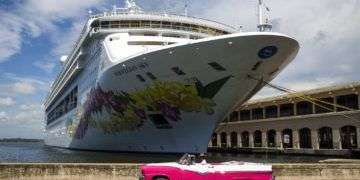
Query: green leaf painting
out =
(114, 112)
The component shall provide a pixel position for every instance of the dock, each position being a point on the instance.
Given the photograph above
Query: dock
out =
(329, 170)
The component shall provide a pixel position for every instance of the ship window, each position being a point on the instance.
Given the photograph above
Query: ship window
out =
(217, 66)
(171, 35)
(159, 121)
(166, 24)
(140, 78)
(68, 103)
(177, 25)
(195, 37)
(151, 75)
(150, 34)
(149, 43)
(105, 24)
(146, 43)
(124, 24)
(155, 24)
(135, 24)
(146, 24)
(115, 24)
(158, 24)
(178, 71)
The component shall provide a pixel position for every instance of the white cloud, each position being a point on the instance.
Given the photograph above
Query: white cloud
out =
(64, 44)
(26, 121)
(10, 41)
(3, 116)
(13, 85)
(31, 107)
(45, 66)
(8, 101)
(23, 88)
(35, 17)
(29, 113)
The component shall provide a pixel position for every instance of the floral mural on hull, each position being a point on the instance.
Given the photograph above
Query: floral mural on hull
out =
(119, 111)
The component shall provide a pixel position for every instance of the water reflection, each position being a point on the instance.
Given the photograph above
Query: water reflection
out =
(39, 153)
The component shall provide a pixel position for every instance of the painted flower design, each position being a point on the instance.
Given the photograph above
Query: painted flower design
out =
(114, 112)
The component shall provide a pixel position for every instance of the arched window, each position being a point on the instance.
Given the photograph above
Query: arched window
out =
(287, 138)
(257, 138)
(214, 140)
(348, 137)
(325, 138)
(305, 138)
(223, 139)
(245, 139)
(233, 140)
(271, 134)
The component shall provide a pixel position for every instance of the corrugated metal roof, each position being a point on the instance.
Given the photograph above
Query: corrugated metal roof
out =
(337, 87)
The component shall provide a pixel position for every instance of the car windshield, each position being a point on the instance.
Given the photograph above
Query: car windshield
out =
(187, 159)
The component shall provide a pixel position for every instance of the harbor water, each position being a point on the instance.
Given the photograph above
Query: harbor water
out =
(38, 152)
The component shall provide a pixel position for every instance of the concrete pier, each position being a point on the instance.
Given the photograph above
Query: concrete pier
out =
(331, 170)
(69, 171)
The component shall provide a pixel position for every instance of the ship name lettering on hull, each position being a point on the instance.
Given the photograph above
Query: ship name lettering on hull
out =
(129, 69)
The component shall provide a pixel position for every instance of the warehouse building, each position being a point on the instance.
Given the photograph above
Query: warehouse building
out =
(319, 121)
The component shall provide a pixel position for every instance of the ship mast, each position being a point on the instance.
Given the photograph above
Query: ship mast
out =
(131, 6)
(186, 8)
(264, 24)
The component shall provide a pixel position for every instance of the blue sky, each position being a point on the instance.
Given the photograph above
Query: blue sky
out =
(35, 33)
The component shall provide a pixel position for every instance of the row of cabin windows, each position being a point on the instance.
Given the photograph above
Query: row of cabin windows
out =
(179, 72)
(149, 74)
(172, 35)
(149, 43)
(159, 25)
(349, 101)
(65, 106)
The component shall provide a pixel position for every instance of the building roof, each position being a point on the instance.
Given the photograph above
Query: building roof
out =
(328, 89)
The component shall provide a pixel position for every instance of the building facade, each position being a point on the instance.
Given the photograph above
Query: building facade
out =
(319, 121)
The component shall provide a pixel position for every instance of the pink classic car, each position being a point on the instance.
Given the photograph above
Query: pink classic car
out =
(187, 169)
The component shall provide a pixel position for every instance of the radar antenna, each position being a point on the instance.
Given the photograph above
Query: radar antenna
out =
(131, 6)
(264, 24)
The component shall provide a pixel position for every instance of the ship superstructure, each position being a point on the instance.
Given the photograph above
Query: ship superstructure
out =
(150, 82)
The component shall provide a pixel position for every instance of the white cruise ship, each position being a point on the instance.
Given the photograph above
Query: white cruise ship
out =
(152, 82)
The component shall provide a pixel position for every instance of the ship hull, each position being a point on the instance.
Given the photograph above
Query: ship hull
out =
(130, 110)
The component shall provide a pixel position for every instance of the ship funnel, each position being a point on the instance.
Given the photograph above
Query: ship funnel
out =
(264, 22)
